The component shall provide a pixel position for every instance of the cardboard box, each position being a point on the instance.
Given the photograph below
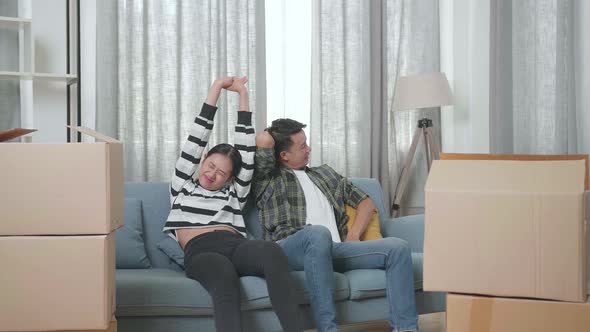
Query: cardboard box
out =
(506, 228)
(478, 314)
(112, 328)
(60, 189)
(57, 282)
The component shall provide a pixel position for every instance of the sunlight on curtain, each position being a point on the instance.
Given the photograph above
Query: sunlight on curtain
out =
(288, 60)
(158, 60)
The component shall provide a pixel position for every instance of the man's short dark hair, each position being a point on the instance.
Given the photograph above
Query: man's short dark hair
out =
(281, 131)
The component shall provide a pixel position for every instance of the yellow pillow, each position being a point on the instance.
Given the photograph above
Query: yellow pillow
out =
(373, 231)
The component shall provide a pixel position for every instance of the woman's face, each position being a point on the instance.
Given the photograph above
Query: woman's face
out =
(216, 171)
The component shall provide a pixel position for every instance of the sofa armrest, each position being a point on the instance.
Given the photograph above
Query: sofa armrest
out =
(409, 228)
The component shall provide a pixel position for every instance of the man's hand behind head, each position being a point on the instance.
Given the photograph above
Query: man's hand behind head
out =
(265, 140)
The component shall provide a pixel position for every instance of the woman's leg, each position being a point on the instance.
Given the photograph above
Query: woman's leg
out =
(266, 259)
(218, 276)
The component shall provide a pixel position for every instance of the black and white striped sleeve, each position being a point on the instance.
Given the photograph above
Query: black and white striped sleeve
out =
(245, 142)
(192, 150)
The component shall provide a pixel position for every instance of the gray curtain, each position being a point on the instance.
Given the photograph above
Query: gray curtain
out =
(156, 60)
(582, 75)
(413, 46)
(9, 89)
(533, 103)
(359, 48)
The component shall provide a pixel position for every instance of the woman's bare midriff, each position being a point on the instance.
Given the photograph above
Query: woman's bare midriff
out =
(186, 234)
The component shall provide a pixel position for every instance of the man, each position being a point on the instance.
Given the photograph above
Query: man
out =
(302, 209)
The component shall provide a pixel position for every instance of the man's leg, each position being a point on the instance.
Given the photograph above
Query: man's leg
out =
(392, 255)
(310, 249)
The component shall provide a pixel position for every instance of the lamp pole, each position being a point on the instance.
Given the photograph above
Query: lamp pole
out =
(424, 129)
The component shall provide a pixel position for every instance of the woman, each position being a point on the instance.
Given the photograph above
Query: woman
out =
(206, 217)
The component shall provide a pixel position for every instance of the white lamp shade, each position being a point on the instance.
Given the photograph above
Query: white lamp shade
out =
(422, 91)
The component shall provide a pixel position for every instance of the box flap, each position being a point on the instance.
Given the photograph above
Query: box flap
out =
(14, 133)
(523, 157)
(506, 176)
(95, 134)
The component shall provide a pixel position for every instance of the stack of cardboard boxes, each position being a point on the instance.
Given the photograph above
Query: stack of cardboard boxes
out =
(507, 240)
(59, 207)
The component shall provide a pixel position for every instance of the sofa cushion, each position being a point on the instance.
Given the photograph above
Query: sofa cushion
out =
(155, 205)
(172, 249)
(159, 292)
(250, 212)
(373, 188)
(418, 264)
(130, 253)
(341, 286)
(372, 232)
(366, 284)
(164, 292)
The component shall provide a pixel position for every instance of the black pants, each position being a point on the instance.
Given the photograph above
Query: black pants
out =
(217, 259)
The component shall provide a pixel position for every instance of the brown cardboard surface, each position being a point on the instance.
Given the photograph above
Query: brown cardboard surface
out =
(467, 313)
(61, 189)
(14, 133)
(523, 157)
(57, 282)
(506, 228)
(112, 328)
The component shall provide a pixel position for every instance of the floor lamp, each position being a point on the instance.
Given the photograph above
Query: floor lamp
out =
(419, 92)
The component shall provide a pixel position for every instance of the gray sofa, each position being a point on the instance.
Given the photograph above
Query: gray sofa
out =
(153, 293)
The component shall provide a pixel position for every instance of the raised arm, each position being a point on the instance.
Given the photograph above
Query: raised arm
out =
(199, 133)
(265, 154)
(244, 140)
(264, 161)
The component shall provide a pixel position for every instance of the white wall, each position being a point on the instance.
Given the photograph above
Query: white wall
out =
(49, 97)
(49, 30)
(447, 66)
(88, 63)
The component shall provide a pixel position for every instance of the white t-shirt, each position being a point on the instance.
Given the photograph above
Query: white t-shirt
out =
(319, 210)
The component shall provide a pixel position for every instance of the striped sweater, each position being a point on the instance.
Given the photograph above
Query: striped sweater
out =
(192, 205)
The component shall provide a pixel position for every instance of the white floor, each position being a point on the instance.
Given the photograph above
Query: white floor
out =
(433, 322)
(427, 323)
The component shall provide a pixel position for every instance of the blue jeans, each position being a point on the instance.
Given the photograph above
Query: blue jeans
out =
(311, 249)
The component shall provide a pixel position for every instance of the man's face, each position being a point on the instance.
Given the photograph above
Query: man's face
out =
(297, 155)
(215, 172)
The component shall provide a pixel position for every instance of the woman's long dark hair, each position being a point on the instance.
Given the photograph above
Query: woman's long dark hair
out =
(232, 153)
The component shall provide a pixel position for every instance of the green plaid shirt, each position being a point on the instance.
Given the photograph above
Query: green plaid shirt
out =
(281, 200)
